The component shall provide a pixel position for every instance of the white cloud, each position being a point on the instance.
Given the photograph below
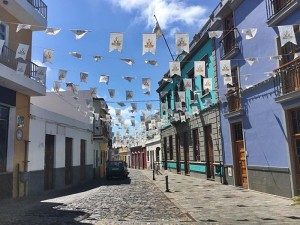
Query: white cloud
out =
(166, 11)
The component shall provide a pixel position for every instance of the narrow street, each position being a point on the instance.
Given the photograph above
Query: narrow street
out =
(140, 200)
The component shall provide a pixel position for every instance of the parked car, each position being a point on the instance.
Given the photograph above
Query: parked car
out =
(116, 169)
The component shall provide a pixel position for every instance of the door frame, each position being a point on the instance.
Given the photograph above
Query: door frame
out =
(178, 153)
(186, 152)
(49, 185)
(209, 174)
(234, 161)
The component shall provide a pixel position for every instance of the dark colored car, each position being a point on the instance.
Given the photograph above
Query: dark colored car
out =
(116, 169)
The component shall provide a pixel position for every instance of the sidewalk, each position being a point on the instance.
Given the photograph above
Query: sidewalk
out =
(214, 203)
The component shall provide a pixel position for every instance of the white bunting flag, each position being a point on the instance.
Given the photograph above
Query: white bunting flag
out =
(207, 83)
(93, 92)
(91, 119)
(149, 106)
(188, 84)
(129, 79)
(21, 68)
(62, 74)
(215, 34)
(149, 43)
(1, 45)
(249, 32)
(104, 79)
(287, 34)
(118, 112)
(23, 27)
(96, 116)
(164, 106)
(182, 43)
(121, 104)
(98, 58)
(181, 95)
(83, 77)
(56, 86)
(129, 95)
(227, 80)
(276, 57)
(116, 42)
(225, 67)
(130, 62)
(111, 93)
(297, 54)
(52, 31)
(41, 74)
(76, 54)
(178, 106)
(80, 33)
(159, 125)
(75, 89)
(176, 117)
(175, 68)
(48, 55)
(133, 123)
(69, 86)
(151, 62)
(146, 83)
(250, 61)
(195, 109)
(182, 118)
(157, 31)
(22, 51)
(199, 68)
(134, 107)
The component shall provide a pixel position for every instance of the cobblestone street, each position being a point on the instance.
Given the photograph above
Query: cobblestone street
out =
(140, 200)
(136, 200)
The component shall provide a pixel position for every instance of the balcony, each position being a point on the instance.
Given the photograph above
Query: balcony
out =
(229, 46)
(26, 84)
(277, 10)
(33, 12)
(287, 78)
(100, 132)
(234, 104)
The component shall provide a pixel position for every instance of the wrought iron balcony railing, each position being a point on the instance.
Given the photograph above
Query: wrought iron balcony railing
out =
(40, 6)
(275, 6)
(288, 76)
(228, 42)
(234, 101)
(7, 58)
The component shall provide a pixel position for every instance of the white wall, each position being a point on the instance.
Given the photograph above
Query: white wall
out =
(44, 122)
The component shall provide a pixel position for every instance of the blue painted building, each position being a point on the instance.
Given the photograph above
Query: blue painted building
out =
(191, 138)
(260, 114)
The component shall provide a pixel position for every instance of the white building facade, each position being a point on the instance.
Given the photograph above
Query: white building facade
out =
(61, 150)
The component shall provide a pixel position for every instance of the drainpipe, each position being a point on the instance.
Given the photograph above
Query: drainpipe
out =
(26, 167)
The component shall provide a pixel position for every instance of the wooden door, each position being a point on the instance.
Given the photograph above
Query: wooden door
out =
(68, 160)
(209, 150)
(186, 153)
(296, 154)
(82, 159)
(49, 162)
(240, 168)
(178, 156)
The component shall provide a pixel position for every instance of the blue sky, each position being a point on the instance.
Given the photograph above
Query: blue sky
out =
(133, 18)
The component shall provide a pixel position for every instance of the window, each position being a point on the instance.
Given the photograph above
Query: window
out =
(4, 33)
(228, 34)
(296, 121)
(171, 147)
(205, 58)
(238, 132)
(4, 119)
(191, 75)
(196, 146)
(169, 100)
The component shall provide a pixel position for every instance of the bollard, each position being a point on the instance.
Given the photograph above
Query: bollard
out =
(167, 183)
(153, 174)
